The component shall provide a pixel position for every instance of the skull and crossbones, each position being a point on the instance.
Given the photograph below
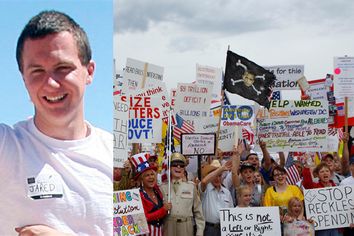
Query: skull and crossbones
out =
(248, 78)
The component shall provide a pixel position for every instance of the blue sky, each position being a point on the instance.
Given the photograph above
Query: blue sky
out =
(95, 16)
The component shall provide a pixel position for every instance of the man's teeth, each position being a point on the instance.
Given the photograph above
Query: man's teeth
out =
(56, 98)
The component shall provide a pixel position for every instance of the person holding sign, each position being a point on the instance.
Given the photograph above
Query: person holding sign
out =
(214, 195)
(155, 208)
(295, 224)
(56, 176)
(185, 200)
(324, 174)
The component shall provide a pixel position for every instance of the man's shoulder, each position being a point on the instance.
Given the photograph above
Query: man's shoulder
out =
(348, 181)
(7, 130)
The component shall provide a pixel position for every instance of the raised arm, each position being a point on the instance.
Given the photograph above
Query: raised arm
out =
(236, 156)
(211, 176)
(266, 156)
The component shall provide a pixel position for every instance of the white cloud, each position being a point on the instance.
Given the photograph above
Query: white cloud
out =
(179, 34)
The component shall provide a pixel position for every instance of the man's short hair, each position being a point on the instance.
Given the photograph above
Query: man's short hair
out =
(51, 22)
(250, 155)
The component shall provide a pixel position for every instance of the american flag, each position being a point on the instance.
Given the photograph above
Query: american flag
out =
(276, 95)
(248, 134)
(181, 127)
(293, 176)
(336, 132)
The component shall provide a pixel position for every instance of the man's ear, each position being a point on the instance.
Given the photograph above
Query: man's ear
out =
(90, 71)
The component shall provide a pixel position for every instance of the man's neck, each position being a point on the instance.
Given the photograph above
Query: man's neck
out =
(73, 130)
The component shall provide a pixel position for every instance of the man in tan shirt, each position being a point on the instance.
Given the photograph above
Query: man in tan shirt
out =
(185, 201)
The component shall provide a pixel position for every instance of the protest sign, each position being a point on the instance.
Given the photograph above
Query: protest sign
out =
(237, 115)
(226, 134)
(173, 97)
(198, 144)
(145, 121)
(128, 213)
(250, 221)
(118, 83)
(344, 76)
(286, 75)
(120, 131)
(318, 89)
(192, 101)
(295, 126)
(298, 228)
(138, 74)
(207, 75)
(331, 207)
(157, 88)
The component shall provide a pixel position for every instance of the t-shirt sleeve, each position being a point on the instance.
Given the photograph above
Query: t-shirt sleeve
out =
(268, 201)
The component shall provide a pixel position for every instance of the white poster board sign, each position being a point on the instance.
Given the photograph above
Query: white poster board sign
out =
(157, 88)
(344, 76)
(128, 213)
(295, 126)
(226, 134)
(318, 89)
(286, 75)
(198, 144)
(145, 123)
(210, 75)
(120, 131)
(253, 221)
(192, 101)
(139, 74)
(331, 207)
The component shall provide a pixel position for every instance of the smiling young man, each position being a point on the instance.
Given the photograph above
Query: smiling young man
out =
(56, 176)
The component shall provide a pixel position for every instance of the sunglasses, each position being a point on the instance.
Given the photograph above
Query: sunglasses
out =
(178, 164)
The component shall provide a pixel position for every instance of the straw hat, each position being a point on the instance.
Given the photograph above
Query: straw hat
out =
(206, 169)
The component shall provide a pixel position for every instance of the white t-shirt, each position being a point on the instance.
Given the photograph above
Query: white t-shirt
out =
(66, 185)
(347, 181)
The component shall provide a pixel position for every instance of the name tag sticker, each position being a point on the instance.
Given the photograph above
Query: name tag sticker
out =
(45, 185)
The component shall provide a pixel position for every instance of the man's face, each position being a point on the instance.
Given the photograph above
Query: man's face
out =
(254, 160)
(247, 175)
(55, 78)
(330, 163)
(217, 181)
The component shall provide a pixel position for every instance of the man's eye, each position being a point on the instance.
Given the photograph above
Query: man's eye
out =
(37, 71)
(64, 68)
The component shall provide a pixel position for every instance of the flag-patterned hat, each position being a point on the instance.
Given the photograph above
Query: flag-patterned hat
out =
(141, 164)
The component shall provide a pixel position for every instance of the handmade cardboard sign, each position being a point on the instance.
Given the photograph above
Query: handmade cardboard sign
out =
(120, 131)
(128, 213)
(250, 221)
(330, 207)
(198, 144)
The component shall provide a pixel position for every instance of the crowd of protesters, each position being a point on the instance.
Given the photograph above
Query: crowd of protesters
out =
(241, 180)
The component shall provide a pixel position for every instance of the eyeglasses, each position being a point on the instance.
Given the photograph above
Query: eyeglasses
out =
(181, 165)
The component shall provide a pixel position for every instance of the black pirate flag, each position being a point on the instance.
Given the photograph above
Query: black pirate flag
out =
(248, 79)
